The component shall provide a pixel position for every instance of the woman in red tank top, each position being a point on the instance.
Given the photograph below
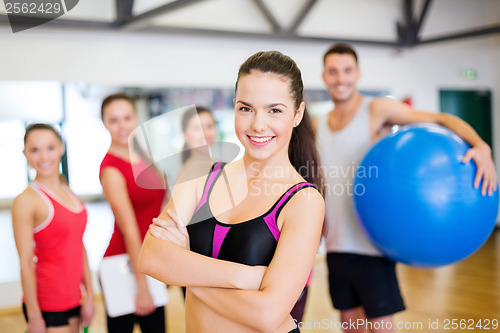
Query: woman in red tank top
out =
(48, 215)
(134, 205)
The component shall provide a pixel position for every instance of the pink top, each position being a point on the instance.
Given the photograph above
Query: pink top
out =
(146, 192)
(58, 250)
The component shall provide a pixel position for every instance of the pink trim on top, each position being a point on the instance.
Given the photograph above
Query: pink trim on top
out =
(50, 206)
(309, 278)
(270, 219)
(47, 191)
(220, 233)
(211, 179)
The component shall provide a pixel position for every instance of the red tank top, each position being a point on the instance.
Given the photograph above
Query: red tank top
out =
(146, 195)
(58, 252)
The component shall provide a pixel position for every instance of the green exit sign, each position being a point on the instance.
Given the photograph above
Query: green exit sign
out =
(468, 74)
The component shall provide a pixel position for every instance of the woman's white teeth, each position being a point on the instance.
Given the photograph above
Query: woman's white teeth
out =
(256, 139)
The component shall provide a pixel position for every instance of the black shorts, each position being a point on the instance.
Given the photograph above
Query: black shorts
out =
(367, 281)
(54, 319)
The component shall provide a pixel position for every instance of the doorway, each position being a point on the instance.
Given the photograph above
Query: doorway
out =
(473, 106)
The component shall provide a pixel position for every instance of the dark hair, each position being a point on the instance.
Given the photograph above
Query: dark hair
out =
(186, 117)
(115, 97)
(341, 48)
(40, 126)
(302, 148)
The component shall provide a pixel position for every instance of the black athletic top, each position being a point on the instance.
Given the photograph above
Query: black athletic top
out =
(251, 242)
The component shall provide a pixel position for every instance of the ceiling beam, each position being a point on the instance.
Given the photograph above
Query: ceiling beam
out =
(406, 27)
(266, 12)
(263, 36)
(141, 20)
(423, 14)
(123, 10)
(466, 34)
(301, 16)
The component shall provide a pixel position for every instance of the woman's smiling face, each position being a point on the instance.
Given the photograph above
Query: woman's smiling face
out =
(265, 114)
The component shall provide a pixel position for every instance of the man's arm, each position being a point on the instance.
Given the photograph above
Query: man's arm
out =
(387, 111)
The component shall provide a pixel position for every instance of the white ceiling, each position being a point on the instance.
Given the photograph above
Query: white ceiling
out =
(353, 20)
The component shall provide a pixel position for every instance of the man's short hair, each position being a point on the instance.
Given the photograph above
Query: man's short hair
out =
(341, 48)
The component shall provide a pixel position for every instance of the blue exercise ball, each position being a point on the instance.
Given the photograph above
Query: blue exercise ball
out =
(416, 201)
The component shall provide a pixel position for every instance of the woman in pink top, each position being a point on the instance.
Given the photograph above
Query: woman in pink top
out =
(48, 222)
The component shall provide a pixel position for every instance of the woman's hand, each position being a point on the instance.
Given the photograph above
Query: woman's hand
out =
(174, 233)
(87, 310)
(36, 325)
(144, 304)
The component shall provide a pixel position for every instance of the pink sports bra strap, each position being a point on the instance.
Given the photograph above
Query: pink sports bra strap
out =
(272, 218)
(214, 174)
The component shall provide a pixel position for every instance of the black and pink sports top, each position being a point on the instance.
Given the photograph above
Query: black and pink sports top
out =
(251, 242)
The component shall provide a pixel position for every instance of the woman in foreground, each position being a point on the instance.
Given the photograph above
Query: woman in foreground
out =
(253, 233)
